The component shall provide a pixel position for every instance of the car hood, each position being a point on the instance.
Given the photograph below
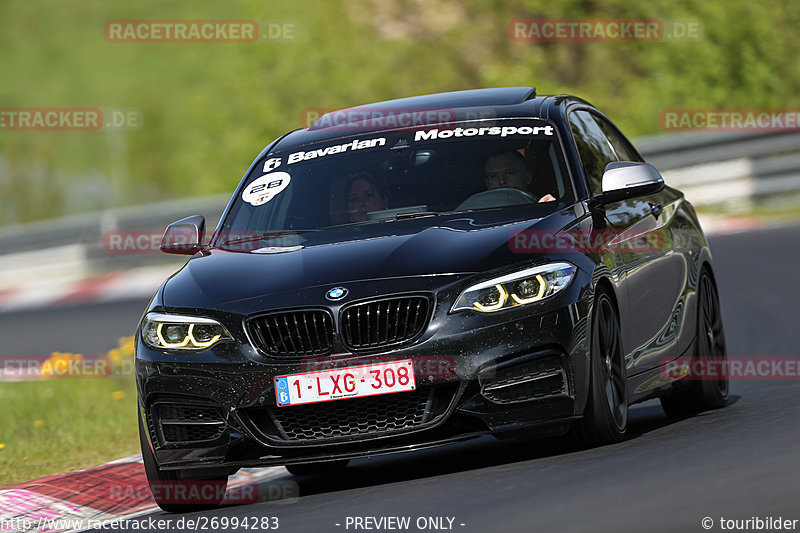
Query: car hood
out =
(456, 246)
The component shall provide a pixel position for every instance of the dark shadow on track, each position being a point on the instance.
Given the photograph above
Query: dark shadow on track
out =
(483, 452)
(650, 417)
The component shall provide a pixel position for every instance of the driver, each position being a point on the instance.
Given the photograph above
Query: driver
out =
(508, 169)
(365, 193)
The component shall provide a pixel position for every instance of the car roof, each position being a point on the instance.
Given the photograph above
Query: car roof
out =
(500, 102)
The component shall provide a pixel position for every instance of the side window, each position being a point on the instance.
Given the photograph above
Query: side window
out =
(621, 145)
(593, 148)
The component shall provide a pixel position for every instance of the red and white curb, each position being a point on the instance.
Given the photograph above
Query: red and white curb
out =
(84, 499)
(720, 225)
(115, 286)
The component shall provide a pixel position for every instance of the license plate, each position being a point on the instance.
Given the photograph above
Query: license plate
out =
(341, 383)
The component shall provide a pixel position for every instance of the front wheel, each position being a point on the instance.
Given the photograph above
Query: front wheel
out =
(605, 419)
(180, 491)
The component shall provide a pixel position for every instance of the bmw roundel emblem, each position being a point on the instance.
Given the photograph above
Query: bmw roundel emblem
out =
(336, 293)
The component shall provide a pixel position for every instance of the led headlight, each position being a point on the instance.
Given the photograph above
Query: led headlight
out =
(181, 332)
(519, 288)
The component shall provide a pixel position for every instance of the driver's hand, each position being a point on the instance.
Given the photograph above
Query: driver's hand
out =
(547, 198)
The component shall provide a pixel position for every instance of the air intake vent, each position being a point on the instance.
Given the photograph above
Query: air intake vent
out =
(187, 424)
(542, 377)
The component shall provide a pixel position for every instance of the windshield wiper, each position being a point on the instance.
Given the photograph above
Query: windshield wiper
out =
(270, 234)
(418, 214)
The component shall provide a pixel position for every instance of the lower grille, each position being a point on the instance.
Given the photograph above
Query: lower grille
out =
(354, 417)
(186, 423)
(538, 378)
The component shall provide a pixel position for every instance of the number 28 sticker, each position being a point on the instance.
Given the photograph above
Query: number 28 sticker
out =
(265, 188)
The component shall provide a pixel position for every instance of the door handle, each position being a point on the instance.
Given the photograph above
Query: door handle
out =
(655, 209)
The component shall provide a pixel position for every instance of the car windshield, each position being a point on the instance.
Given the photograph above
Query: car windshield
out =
(378, 177)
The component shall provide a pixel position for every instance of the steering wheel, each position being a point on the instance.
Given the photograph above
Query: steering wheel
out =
(501, 197)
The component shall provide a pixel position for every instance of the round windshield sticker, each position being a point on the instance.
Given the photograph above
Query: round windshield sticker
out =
(265, 188)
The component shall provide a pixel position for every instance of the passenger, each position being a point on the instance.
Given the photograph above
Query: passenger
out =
(508, 169)
(364, 195)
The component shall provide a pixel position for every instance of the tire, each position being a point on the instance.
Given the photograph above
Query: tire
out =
(305, 469)
(702, 394)
(180, 491)
(605, 418)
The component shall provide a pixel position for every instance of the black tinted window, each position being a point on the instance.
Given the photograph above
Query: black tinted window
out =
(388, 175)
(593, 147)
(621, 145)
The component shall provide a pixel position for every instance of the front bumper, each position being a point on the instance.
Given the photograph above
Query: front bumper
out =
(476, 375)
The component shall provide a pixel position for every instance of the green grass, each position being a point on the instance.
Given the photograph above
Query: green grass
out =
(81, 422)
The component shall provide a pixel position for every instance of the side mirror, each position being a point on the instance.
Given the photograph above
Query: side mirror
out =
(184, 236)
(627, 179)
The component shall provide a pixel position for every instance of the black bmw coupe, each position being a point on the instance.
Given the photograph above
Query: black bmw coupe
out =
(417, 272)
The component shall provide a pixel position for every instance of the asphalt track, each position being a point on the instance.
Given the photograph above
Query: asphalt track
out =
(735, 463)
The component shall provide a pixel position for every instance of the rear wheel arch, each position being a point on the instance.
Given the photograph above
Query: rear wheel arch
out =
(703, 394)
(705, 267)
